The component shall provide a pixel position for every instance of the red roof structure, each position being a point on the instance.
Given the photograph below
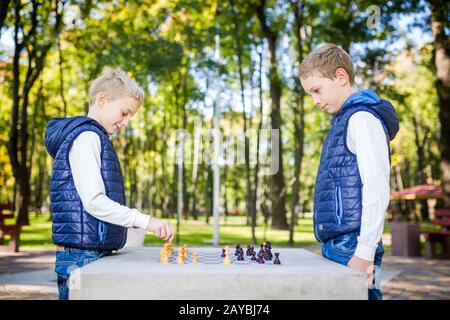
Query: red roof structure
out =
(423, 191)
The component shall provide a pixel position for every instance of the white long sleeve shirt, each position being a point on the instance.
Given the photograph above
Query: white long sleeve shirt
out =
(85, 161)
(366, 139)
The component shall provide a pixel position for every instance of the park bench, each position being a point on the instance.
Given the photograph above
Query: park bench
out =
(442, 236)
(12, 230)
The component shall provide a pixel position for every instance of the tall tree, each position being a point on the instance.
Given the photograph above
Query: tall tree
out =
(237, 22)
(278, 186)
(299, 112)
(440, 27)
(36, 27)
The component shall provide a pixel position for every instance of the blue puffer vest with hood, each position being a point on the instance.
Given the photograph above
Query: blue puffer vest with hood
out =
(73, 226)
(338, 188)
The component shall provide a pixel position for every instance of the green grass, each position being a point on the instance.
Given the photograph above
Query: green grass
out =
(236, 231)
(38, 233)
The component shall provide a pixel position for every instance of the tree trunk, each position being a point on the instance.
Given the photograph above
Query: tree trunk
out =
(18, 135)
(61, 78)
(4, 4)
(248, 184)
(278, 192)
(439, 27)
(420, 145)
(256, 174)
(195, 165)
(299, 124)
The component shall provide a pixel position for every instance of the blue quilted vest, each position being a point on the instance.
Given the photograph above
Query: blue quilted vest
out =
(338, 188)
(72, 225)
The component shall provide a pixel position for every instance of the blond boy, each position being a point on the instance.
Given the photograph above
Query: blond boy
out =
(89, 215)
(352, 183)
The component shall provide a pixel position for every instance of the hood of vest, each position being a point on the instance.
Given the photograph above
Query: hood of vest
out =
(59, 128)
(381, 107)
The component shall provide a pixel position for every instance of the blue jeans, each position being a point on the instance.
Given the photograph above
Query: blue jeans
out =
(70, 260)
(341, 250)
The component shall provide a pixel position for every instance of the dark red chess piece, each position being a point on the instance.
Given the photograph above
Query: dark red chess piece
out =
(260, 258)
(241, 256)
(277, 258)
(261, 251)
(238, 250)
(267, 253)
(249, 251)
(253, 258)
(223, 253)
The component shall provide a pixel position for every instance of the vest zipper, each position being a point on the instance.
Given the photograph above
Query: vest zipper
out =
(338, 202)
(101, 230)
(316, 233)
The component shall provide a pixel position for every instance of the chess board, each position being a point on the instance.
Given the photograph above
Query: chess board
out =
(215, 258)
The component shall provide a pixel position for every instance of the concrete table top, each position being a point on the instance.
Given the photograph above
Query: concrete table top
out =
(136, 273)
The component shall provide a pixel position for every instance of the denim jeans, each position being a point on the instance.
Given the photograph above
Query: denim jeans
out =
(341, 250)
(70, 260)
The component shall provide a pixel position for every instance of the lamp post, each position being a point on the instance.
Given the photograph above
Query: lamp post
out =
(215, 162)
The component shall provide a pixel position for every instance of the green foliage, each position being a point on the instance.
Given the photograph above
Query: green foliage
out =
(168, 47)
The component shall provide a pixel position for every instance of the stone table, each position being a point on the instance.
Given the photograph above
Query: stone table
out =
(136, 273)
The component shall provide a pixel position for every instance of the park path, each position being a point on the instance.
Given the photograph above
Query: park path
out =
(29, 275)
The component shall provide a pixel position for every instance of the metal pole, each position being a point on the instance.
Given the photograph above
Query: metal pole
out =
(180, 185)
(215, 162)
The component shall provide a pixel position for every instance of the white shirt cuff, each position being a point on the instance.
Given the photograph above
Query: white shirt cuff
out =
(141, 220)
(365, 252)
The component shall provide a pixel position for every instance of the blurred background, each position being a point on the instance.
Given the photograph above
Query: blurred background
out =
(230, 65)
(227, 67)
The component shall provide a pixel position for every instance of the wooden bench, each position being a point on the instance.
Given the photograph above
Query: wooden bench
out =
(12, 230)
(442, 236)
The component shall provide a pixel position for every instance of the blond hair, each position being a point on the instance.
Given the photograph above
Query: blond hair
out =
(116, 84)
(326, 60)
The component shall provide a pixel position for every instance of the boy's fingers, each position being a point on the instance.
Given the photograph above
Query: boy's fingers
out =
(171, 233)
(162, 232)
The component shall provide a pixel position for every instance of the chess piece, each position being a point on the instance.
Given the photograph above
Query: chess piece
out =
(241, 255)
(180, 259)
(261, 251)
(277, 258)
(161, 253)
(249, 251)
(195, 257)
(223, 253)
(185, 251)
(260, 258)
(227, 260)
(238, 250)
(267, 252)
(253, 258)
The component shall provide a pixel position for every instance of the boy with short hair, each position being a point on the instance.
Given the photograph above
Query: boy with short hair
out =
(352, 184)
(86, 188)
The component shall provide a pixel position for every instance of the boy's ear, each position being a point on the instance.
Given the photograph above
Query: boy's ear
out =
(342, 76)
(101, 99)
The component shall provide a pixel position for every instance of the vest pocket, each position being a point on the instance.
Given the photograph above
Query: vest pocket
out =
(338, 203)
(101, 231)
(316, 232)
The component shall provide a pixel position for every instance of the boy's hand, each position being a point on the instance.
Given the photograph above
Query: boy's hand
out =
(161, 228)
(362, 266)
